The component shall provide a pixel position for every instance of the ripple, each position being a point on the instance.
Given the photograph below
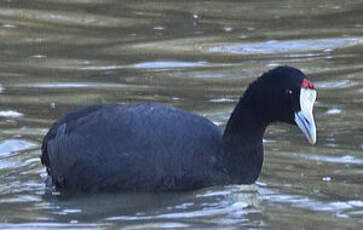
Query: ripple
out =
(215, 193)
(334, 84)
(274, 46)
(22, 198)
(39, 56)
(169, 225)
(209, 75)
(7, 146)
(159, 28)
(334, 111)
(42, 225)
(305, 202)
(168, 64)
(74, 210)
(106, 67)
(267, 141)
(347, 159)
(205, 212)
(10, 113)
(70, 18)
(74, 85)
(129, 218)
(152, 65)
(223, 100)
(9, 26)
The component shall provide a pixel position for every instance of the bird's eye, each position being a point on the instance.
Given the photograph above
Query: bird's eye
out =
(289, 92)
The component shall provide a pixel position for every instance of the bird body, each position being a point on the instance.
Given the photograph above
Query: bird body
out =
(153, 147)
(134, 147)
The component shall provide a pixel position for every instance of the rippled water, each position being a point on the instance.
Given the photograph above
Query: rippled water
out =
(198, 55)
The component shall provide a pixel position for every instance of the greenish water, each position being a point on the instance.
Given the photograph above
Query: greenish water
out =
(59, 55)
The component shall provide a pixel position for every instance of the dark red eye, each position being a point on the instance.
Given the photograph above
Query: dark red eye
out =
(307, 84)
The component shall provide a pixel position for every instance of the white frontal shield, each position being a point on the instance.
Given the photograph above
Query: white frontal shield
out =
(304, 118)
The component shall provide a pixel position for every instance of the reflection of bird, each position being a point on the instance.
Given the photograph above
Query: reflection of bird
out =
(154, 147)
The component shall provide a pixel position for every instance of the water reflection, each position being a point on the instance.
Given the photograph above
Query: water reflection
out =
(14, 145)
(274, 46)
(10, 113)
(235, 202)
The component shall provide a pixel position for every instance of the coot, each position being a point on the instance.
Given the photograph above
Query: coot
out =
(153, 147)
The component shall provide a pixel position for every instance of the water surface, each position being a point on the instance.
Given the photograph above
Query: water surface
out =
(200, 56)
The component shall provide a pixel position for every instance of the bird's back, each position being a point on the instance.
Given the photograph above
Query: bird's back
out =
(133, 147)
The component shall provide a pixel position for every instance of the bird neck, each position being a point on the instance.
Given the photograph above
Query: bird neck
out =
(243, 147)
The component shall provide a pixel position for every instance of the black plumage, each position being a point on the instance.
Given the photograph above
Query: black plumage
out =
(154, 147)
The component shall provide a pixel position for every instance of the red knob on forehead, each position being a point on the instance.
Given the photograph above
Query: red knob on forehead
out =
(307, 84)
